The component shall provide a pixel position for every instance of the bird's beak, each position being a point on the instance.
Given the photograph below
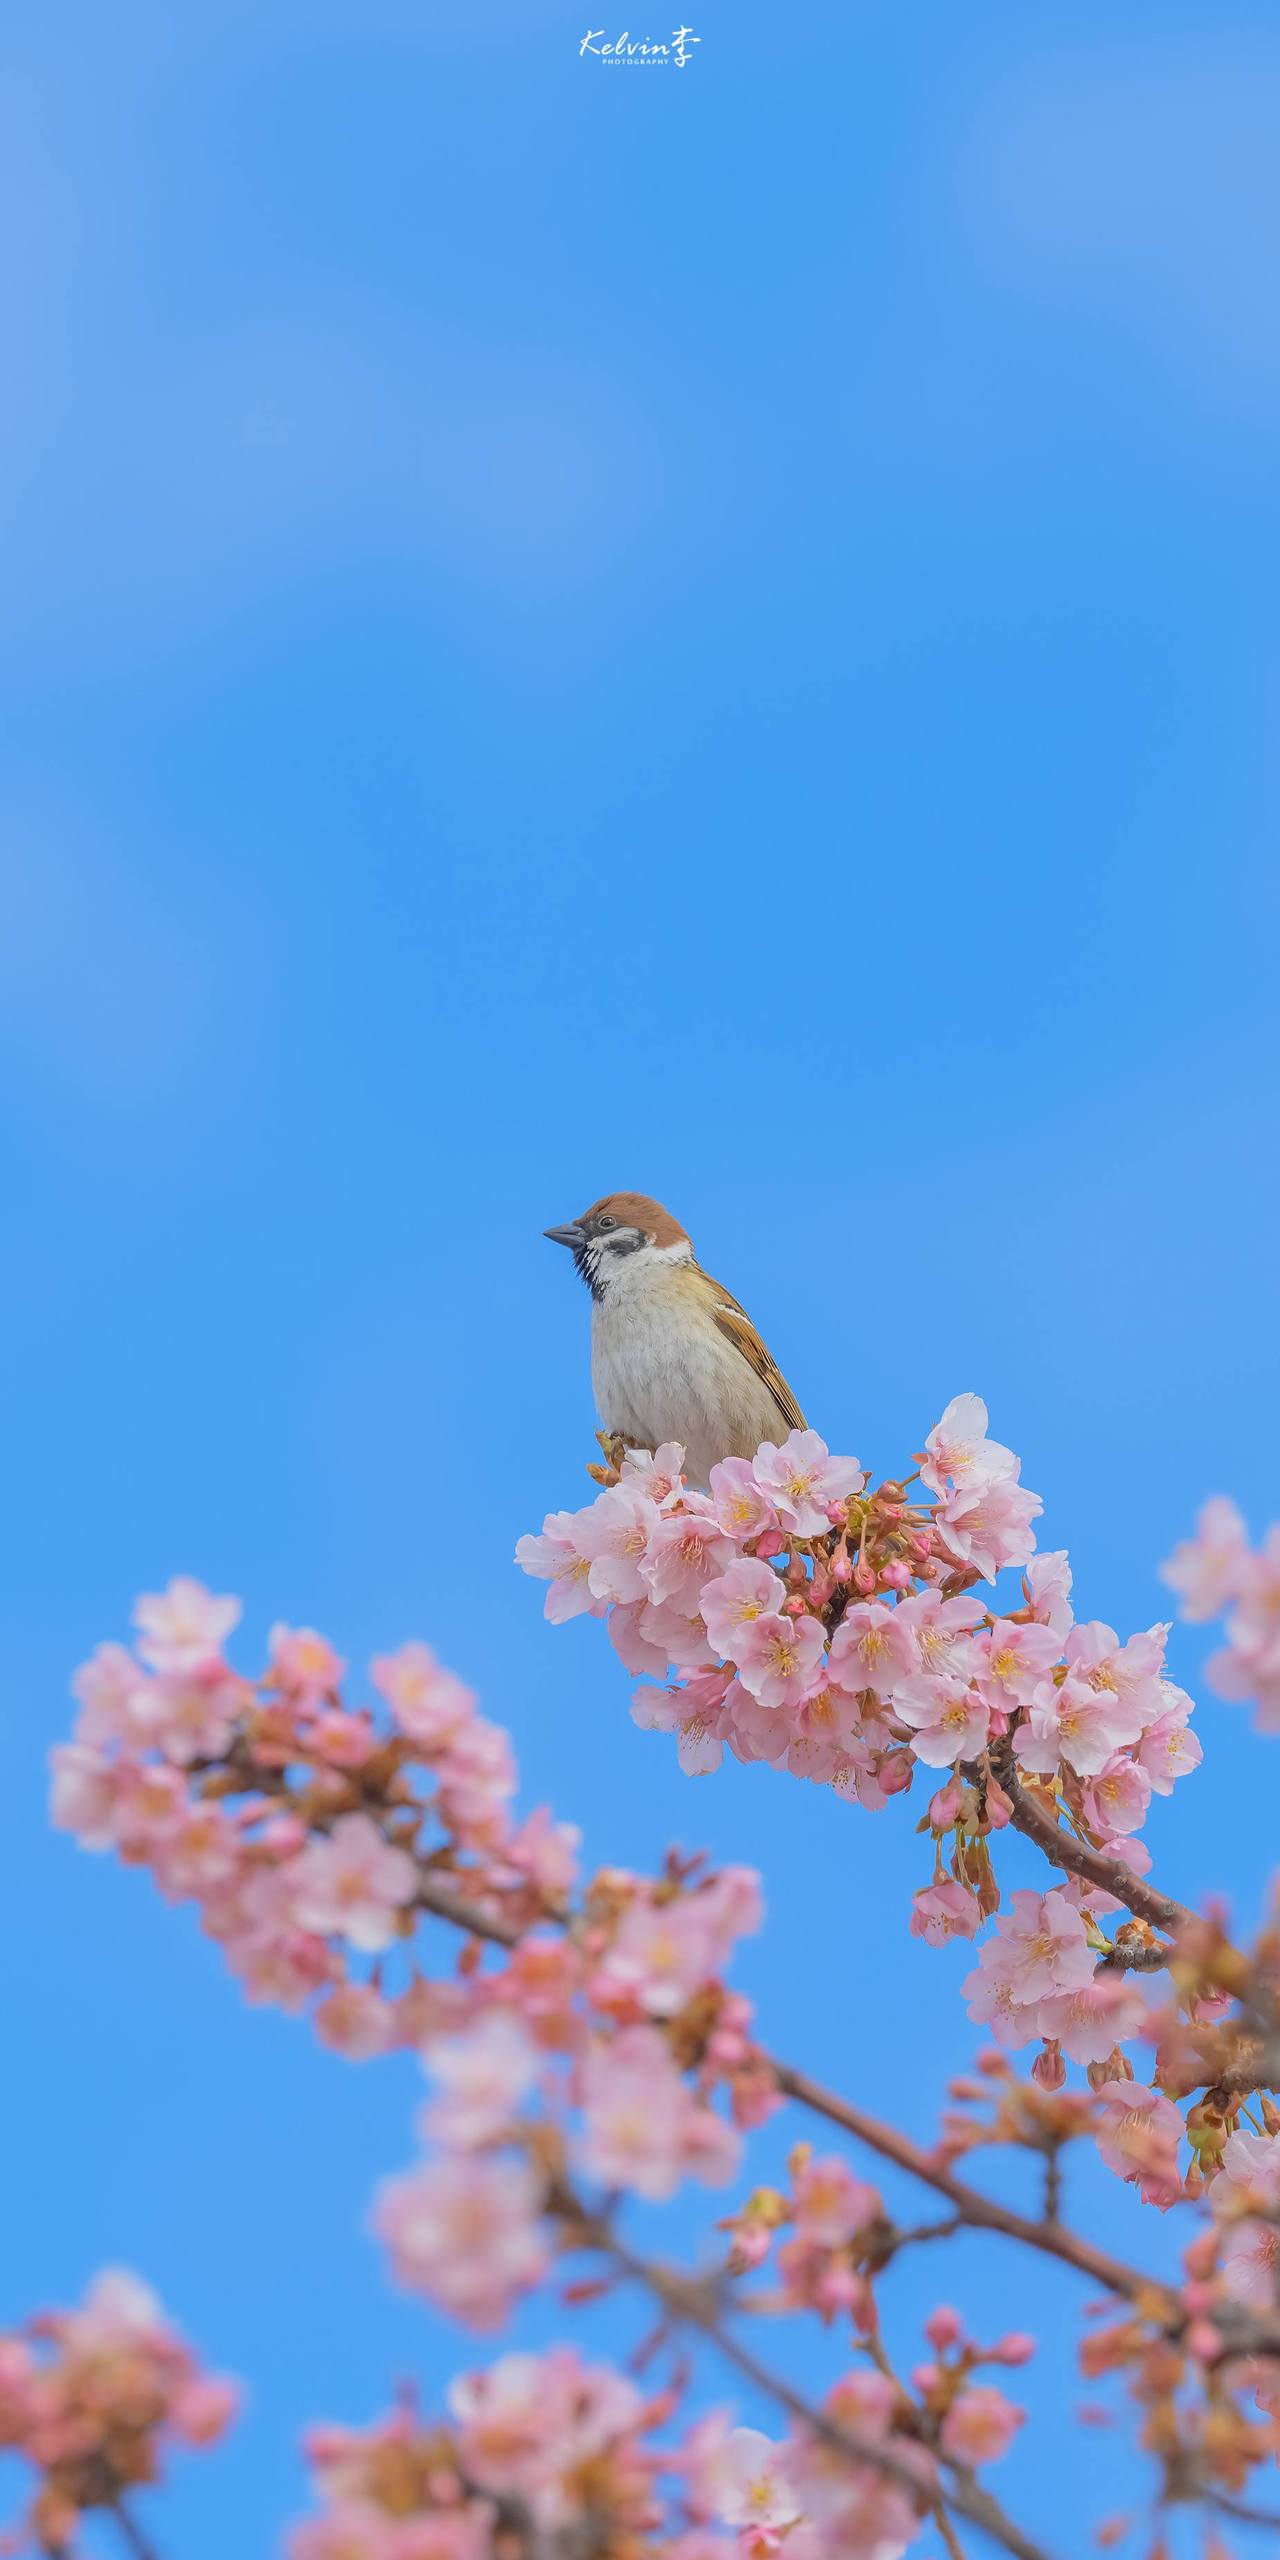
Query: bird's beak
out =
(574, 1235)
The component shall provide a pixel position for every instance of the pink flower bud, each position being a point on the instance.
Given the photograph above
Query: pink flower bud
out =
(897, 1576)
(1204, 2340)
(841, 1566)
(999, 1806)
(896, 1772)
(1049, 2070)
(944, 1808)
(864, 1579)
(944, 2328)
(771, 1543)
(1016, 2347)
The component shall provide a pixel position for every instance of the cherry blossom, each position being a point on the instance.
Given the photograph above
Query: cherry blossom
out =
(1207, 1570)
(183, 1628)
(465, 2230)
(354, 1884)
(958, 1453)
(804, 1482)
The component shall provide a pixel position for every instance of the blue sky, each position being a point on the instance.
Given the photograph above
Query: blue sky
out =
(566, 629)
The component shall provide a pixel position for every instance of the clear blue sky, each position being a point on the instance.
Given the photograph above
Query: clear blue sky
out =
(564, 629)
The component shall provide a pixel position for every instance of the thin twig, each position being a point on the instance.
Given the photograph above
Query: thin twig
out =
(687, 2301)
(138, 2543)
(982, 2212)
(1075, 1856)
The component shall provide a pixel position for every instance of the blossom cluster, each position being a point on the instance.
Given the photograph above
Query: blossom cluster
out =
(602, 2056)
(94, 2399)
(310, 1834)
(837, 1632)
(315, 1836)
(545, 2453)
(1217, 1571)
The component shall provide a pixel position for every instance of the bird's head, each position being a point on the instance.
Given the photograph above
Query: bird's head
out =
(619, 1236)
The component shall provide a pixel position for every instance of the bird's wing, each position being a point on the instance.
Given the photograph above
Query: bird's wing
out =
(734, 1322)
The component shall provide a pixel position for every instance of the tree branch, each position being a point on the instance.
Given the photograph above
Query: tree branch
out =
(687, 2301)
(981, 2212)
(1076, 1858)
(138, 2543)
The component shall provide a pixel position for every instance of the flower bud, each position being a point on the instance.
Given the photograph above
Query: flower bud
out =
(1049, 2071)
(944, 2328)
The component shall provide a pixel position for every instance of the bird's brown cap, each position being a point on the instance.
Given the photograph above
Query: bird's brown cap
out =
(635, 1209)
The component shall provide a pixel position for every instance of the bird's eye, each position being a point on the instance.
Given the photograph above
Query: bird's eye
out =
(602, 1223)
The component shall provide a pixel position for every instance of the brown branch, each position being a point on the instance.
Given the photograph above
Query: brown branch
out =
(136, 2542)
(689, 2302)
(1076, 1858)
(981, 2212)
(972, 2207)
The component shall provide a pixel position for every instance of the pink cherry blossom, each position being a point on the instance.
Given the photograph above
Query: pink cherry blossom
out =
(1138, 2137)
(943, 1911)
(950, 1722)
(477, 1780)
(659, 1956)
(1168, 1749)
(1131, 1672)
(746, 1590)
(84, 1794)
(778, 1658)
(1014, 1658)
(641, 2127)
(303, 1661)
(1207, 1570)
(1044, 1942)
(115, 1699)
(686, 1549)
(184, 1627)
(465, 2231)
(740, 1505)
(695, 1712)
(941, 1632)
(980, 2424)
(959, 1454)
(750, 2482)
(545, 1851)
(483, 2076)
(804, 1482)
(872, 1648)
(831, 2205)
(356, 2021)
(987, 1525)
(428, 1702)
(1089, 2021)
(1117, 1799)
(1048, 1580)
(1040, 1947)
(193, 1714)
(1077, 1723)
(1246, 2199)
(657, 1472)
(354, 1884)
(638, 1652)
(614, 1537)
(556, 1556)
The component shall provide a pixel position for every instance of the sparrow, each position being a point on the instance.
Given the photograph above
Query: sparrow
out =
(673, 1356)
